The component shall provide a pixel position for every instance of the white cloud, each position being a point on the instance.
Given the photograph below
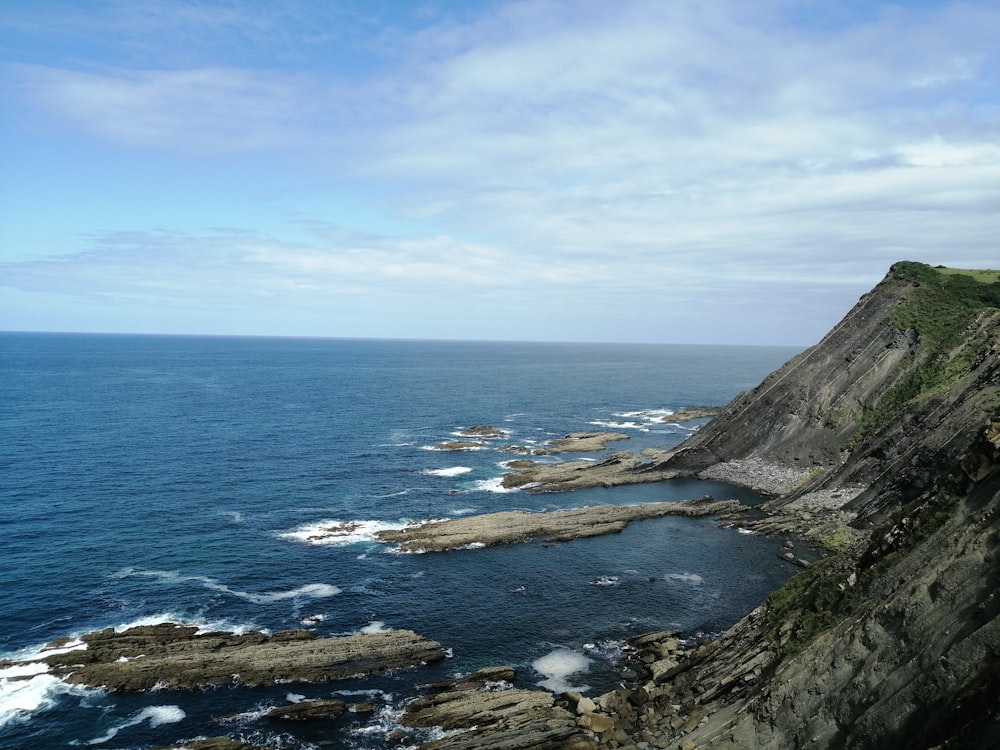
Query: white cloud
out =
(543, 147)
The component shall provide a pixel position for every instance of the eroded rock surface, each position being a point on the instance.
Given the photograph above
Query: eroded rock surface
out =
(479, 716)
(179, 657)
(508, 527)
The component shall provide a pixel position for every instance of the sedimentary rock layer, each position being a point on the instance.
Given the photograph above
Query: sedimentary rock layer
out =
(508, 527)
(480, 715)
(175, 656)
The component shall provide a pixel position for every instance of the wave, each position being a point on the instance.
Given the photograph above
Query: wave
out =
(308, 591)
(155, 715)
(26, 691)
(374, 627)
(493, 485)
(620, 425)
(693, 578)
(340, 533)
(605, 581)
(452, 471)
(557, 666)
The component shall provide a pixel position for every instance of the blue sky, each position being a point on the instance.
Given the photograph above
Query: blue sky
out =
(703, 171)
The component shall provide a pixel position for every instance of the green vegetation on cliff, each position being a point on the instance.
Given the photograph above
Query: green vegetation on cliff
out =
(941, 311)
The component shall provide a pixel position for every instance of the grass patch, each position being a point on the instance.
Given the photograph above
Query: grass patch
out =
(940, 310)
(808, 604)
(983, 276)
(839, 540)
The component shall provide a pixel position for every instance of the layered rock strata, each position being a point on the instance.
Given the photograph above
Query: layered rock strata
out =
(479, 712)
(179, 657)
(509, 527)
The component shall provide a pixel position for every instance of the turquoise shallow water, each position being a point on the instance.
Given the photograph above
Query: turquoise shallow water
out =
(174, 478)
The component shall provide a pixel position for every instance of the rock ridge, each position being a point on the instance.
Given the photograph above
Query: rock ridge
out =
(174, 656)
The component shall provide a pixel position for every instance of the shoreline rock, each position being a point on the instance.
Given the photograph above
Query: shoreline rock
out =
(511, 527)
(460, 445)
(693, 412)
(483, 431)
(478, 712)
(580, 442)
(178, 657)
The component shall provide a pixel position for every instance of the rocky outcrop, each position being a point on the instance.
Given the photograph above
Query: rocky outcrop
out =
(479, 713)
(483, 431)
(620, 468)
(509, 527)
(179, 657)
(884, 443)
(692, 412)
(895, 643)
(580, 442)
(328, 708)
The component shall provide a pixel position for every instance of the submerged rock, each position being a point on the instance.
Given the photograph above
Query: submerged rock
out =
(179, 657)
(483, 431)
(306, 710)
(460, 445)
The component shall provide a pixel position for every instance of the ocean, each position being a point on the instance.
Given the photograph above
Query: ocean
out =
(147, 479)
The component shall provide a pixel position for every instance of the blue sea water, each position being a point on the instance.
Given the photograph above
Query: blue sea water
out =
(157, 478)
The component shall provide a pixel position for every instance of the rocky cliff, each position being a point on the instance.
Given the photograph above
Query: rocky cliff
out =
(892, 424)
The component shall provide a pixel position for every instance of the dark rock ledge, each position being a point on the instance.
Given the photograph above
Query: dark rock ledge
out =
(178, 657)
(509, 527)
(693, 412)
(483, 712)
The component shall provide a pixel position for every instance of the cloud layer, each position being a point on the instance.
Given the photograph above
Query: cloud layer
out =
(680, 171)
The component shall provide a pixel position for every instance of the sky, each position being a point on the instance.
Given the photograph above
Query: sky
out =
(664, 171)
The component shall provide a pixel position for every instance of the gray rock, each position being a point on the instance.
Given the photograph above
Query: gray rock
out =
(498, 720)
(508, 527)
(178, 657)
(318, 709)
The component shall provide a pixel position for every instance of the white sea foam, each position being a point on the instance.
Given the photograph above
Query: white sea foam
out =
(340, 533)
(204, 626)
(493, 485)
(620, 425)
(557, 666)
(439, 449)
(155, 715)
(452, 471)
(294, 698)
(605, 581)
(23, 693)
(309, 591)
(461, 511)
(693, 578)
(374, 627)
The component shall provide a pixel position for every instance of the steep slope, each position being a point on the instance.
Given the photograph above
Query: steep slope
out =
(893, 641)
(896, 389)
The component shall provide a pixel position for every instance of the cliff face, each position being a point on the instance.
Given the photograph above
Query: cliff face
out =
(897, 390)
(893, 641)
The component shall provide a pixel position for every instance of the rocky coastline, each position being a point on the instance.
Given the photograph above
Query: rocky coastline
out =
(891, 640)
(179, 657)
